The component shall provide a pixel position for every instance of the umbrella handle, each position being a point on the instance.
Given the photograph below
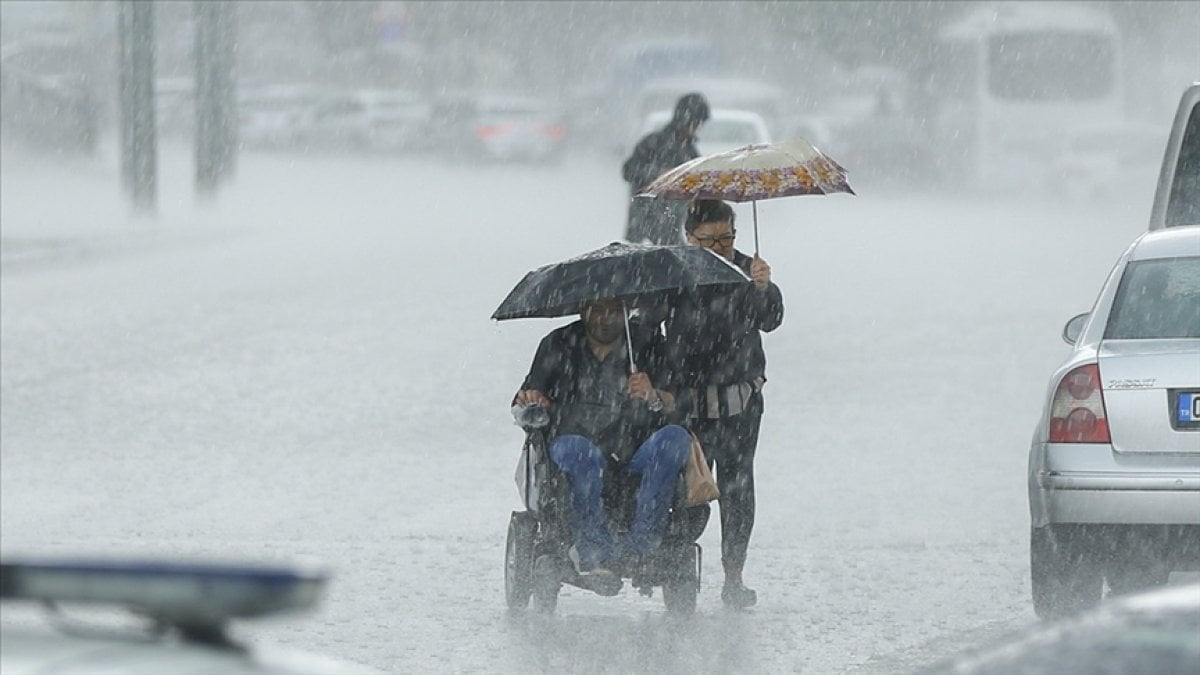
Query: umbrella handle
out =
(754, 205)
(628, 338)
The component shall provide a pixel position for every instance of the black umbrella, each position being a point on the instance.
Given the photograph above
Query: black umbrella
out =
(619, 270)
(629, 272)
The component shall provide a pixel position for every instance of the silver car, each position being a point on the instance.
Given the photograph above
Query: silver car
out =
(1114, 467)
(726, 129)
(1177, 199)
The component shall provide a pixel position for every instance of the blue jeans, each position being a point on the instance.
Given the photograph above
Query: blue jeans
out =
(659, 461)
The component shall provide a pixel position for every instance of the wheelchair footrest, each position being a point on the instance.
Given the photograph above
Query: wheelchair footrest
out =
(600, 584)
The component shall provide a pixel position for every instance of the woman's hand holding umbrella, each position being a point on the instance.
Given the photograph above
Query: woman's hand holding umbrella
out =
(760, 273)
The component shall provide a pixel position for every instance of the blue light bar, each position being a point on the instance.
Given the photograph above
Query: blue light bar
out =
(188, 594)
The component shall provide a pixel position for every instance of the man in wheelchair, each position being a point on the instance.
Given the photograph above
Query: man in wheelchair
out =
(611, 424)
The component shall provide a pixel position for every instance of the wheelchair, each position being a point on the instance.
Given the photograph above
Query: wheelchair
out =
(537, 554)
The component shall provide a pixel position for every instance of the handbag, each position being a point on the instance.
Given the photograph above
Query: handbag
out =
(701, 487)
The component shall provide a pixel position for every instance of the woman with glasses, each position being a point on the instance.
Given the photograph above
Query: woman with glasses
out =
(715, 344)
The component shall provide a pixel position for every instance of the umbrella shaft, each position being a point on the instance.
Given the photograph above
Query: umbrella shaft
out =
(754, 206)
(628, 338)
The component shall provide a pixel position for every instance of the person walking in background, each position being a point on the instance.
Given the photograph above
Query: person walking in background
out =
(660, 151)
(714, 346)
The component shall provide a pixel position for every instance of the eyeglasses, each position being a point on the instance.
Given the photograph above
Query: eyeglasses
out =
(605, 311)
(712, 242)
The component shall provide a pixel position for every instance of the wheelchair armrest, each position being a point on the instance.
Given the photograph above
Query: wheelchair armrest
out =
(541, 476)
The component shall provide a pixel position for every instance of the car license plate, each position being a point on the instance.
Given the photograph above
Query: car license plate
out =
(1187, 410)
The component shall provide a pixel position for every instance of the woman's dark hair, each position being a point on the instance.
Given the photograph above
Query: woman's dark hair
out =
(690, 109)
(702, 211)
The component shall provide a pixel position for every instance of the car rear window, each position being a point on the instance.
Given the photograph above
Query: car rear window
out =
(1157, 299)
(730, 131)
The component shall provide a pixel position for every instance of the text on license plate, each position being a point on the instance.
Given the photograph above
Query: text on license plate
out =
(1187, 406)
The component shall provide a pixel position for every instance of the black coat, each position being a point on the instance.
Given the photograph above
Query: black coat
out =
(713, 335)
(590, 396)
(656, 153)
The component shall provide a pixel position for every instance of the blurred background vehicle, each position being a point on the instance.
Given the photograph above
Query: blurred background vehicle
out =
(1155, 632)
(601, 110)
(819, 130)
(872, 127)
(764, 99)
(498, 128)
(394, 119)
(637, 63)
(377, 120)
(1007, 81)
(277, 115)
(1104, 161)
(888, 149)
(725, 129)
(176, 618)
(337, 122)
(46, 95)
(1114, 466)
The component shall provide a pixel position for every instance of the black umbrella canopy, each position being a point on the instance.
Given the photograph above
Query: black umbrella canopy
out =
(633, 272)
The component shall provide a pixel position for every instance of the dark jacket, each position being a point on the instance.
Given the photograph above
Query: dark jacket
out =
(658, 152)
(713, 334)
(590, 397)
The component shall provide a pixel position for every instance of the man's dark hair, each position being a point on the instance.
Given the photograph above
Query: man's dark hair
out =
(690, 109)
(707, 211)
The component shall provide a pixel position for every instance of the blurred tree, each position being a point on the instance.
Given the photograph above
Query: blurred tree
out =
(216, 99)
(138, 130)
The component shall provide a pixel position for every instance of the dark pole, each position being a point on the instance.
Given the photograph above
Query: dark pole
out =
(124, 93)
(139, 143)
(216, 105)
(228, 88)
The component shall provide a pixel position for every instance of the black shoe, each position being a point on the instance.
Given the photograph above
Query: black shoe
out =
(737, 596)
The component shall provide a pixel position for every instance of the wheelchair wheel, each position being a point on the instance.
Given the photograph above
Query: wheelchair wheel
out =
(546, 584)
(683, 584)
(518, 560)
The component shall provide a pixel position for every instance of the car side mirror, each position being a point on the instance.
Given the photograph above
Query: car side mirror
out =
(1074, 327)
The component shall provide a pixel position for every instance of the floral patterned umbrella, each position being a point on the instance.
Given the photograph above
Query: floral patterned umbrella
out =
(752, 173)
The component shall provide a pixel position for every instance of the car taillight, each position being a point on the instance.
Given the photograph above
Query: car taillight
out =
(554, 131)
(486, 132)
(1077, 411)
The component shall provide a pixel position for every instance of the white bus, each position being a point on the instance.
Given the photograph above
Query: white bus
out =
(1010, 81)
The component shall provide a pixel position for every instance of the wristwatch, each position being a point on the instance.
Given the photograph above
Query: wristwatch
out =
(657, 404)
